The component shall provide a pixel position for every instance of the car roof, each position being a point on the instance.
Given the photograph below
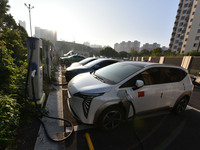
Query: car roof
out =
(148, 64)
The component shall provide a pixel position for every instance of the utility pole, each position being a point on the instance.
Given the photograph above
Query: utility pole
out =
(29, 9)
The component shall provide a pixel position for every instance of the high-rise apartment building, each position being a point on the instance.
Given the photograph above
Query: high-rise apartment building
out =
(150, 46)
(126, 46)
(22, 23)
(46, 34)
(186, 32)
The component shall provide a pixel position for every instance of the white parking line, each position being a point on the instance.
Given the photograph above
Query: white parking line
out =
(190, 107)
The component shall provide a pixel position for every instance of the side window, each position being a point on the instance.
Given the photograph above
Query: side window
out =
(172, 75)
(132, 81)
(105, 63)
(149, 77)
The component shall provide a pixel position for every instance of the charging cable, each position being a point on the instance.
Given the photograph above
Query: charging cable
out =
(125, 97)
(67, 122)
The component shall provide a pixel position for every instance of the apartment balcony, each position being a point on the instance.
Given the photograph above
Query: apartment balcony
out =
(182, 37)
(190, 4)
(180, 43)
(173, 33)
(189, 11)
(185, 25)
(174, 29)
(172, 39)
(176, 22)
(187, 17)
(180, 4)
(177, 16)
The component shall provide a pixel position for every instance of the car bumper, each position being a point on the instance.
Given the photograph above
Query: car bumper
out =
(75, 108)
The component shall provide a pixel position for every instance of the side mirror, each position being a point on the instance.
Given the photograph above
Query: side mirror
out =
(138, 84)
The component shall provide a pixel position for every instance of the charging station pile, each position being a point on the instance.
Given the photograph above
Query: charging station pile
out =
(34, 81)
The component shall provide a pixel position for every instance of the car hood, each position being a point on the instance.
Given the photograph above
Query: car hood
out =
(76, 64)
(86, 83)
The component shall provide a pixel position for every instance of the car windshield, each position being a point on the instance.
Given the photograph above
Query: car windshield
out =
(117, 72)
(86, 60)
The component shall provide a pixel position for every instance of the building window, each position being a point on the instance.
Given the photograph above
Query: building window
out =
(198, 31)
(190, 26)
(178, 35)
(186, 5)
(184, 45)
(195, 6)
(193, 13)
(191, 20)
(195, 45)
(181, 24)
(183, 17)
(176, 41)
(197, 37)
(188, 33)
(184, 11)
(186, 39)
(183, 52)
(180, 29)
(175, 47)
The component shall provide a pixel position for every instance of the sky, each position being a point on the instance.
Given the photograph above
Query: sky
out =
(101, 22)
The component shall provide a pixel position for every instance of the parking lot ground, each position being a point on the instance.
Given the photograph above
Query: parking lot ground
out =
(167, 131)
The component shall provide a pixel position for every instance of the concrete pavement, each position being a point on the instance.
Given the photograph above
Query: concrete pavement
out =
(55, 128)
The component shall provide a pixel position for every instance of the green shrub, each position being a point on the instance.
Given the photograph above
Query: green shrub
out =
(9, 119)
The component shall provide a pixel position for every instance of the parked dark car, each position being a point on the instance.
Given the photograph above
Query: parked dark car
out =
(83, 62)
(89, 67)
(70, 59)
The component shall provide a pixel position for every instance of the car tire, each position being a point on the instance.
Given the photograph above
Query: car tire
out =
(181, 105)
(111, 118)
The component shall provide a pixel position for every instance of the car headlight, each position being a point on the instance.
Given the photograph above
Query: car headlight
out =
(87, 100)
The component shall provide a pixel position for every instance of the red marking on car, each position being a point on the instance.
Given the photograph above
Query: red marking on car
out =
(141, 94)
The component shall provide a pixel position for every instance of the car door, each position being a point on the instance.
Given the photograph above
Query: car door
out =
(171, 78)
(147, 97)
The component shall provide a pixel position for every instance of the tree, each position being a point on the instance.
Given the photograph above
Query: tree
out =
(168, 53)
(14, 42)
(145, 52)
(193, 53)
(157, 52)
(4, 7)
(108, 52)
(133, 52)
(124, 54)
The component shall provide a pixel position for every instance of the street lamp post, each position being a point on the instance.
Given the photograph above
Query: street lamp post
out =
(29, 9)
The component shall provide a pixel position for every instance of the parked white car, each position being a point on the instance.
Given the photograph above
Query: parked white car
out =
(122, 90)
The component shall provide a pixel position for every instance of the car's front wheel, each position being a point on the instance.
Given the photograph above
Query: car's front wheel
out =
(110, 118)
(181, 105)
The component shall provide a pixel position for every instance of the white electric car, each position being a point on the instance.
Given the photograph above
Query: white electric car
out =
(122, 90)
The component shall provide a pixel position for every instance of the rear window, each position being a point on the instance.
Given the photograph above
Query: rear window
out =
(172, 75)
